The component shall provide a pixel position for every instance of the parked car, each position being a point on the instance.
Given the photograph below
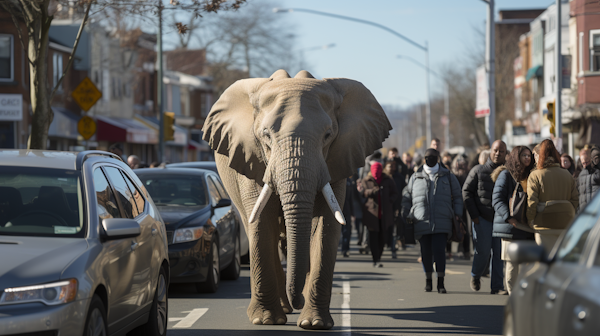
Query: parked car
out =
(202, 231)
(558, 294)
(211, 165)
(84, 251)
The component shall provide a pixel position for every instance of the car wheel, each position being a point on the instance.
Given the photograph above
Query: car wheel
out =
(509, 325)
(157, 320)
(232, 272)
(95, 323)
(213, 277)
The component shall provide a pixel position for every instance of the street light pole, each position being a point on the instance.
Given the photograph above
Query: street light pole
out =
(424, 48)
(558, 77)
(428, 98)
(490, 52)
(159, 89)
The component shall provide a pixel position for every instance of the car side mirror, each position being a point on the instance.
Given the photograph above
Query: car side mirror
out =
(223, 203)
(120, 228)
(526, 252)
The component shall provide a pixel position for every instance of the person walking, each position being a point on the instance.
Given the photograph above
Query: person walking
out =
(432, 200)
(380, 192)
(397, 170)
(348, 213)
(566, 162)
(510, 187)
(588, 181)
(460, 169)
(477, 195)
(552, 197)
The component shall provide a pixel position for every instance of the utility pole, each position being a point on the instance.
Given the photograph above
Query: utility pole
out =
(490, 59)
(447, 114)
(159, 89)
(559, 76)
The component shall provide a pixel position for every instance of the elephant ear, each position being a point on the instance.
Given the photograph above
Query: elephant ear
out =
(362, 128)
(228, 128)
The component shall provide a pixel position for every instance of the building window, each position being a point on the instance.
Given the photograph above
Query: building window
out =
(595, 50)
(6, 58)
(57, 66)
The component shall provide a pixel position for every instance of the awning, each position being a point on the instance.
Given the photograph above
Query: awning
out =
(64, 124)
(201, 147)
(113, 129)
(537, 71)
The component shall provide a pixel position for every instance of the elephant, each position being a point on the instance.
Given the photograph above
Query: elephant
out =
(284, 148)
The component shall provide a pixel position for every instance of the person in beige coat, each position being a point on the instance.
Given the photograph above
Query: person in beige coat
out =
(552, 197)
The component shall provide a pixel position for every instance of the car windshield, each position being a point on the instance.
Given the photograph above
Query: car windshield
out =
(40, 202)
(188, 191)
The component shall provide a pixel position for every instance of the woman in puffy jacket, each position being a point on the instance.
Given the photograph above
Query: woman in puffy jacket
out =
(552, 197)
(431, 200)
(511, 180)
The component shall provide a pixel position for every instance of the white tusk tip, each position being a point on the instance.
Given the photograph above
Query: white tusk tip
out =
(340, 218)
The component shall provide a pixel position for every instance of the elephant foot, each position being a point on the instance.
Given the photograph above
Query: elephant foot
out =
(260, 314)
(315, 319)
(285, 305)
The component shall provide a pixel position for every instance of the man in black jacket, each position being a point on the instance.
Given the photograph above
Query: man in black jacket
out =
(588, 181)
(477, 195)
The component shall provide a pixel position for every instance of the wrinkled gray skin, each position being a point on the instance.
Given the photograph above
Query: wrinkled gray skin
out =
(296, 135)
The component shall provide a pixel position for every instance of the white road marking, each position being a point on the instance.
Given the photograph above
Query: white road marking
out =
(175, 319)
(191, 318)
(454, 272)
(346, 314)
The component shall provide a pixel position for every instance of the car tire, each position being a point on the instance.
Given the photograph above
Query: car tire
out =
(211, 285)
(158, 317)
(95, 322)
(232, 272)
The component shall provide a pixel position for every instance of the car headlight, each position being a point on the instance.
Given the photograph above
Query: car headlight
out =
(187, 234)
(50, 294)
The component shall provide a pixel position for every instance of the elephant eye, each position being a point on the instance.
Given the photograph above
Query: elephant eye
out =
(328, 135)
(266, 134)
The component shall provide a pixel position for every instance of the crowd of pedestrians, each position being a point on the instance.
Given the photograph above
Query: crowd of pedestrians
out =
(494, 199)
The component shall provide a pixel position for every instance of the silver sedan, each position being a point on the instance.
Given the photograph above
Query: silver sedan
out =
(83, 247)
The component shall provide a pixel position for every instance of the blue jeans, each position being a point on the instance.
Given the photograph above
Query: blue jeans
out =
(433, 249)
(484, 245)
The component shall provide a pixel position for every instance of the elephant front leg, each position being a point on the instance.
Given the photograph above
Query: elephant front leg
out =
(324, 245)
(266, 274)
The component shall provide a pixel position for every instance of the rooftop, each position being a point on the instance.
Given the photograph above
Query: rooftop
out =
(38, 158)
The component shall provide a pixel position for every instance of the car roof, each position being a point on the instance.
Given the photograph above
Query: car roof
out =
(38, 158)
(210, 165)
(172, 171)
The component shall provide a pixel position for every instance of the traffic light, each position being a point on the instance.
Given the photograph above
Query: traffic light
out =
(169, 126)
(551, 116)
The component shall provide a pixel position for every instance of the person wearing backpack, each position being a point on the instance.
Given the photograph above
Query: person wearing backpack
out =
(510, 204)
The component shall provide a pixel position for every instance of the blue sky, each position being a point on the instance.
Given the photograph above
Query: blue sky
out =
(368, 54)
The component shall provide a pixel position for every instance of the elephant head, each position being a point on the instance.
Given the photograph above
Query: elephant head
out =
(295, 136)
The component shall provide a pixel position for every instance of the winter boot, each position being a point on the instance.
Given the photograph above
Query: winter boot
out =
(428, 285)
(440, 286)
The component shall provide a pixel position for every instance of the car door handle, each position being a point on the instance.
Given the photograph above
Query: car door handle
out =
(134, 246)
(154, 232)
(551, 295)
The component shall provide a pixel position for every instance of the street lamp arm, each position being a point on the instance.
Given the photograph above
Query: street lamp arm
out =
(421, 65)
(342, 17)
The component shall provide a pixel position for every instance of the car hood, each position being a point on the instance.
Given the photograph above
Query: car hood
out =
(174, 217)
(33, 260)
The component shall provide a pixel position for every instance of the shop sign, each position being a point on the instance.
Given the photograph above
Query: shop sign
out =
(11, 107)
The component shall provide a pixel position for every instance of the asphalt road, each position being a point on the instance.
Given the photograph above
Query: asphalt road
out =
(366, 301)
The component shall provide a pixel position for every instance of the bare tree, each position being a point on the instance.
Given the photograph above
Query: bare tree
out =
(37, 16)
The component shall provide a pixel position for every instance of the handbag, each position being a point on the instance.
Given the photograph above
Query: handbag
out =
(458, 228)
(517, 206)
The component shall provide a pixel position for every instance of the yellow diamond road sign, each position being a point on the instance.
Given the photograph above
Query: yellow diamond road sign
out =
(86, 94)
(86, 127)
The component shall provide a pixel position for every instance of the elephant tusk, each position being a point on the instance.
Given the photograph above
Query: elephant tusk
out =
(333, 203)
(265, 194)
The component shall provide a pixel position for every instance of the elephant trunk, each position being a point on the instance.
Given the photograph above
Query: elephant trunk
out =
(298, 178)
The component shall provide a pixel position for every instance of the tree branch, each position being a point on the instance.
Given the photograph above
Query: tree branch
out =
(72, 56)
